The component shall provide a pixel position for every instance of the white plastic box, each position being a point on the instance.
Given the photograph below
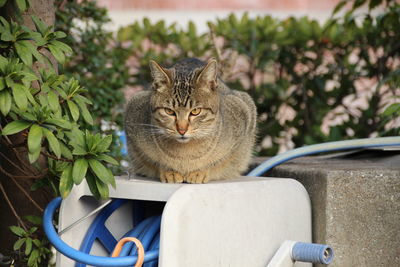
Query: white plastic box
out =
(240, 222)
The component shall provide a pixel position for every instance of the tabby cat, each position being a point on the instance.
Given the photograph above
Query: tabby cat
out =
(190, 127)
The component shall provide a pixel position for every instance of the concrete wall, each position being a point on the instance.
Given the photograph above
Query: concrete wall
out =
(356, 204)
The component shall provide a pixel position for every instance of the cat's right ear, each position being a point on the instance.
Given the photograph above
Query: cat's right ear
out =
(160, 75)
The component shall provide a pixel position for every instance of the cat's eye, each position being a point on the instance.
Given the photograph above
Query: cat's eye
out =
(195, 112)
(169, 111)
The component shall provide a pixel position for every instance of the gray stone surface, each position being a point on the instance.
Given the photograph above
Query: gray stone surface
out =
(356, 204)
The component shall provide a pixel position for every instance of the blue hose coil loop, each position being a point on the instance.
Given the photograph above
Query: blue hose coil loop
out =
(135, 232)
(79, 255)
(315, 253)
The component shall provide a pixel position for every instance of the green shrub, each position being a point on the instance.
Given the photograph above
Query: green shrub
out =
(97, 62)
(47, 130)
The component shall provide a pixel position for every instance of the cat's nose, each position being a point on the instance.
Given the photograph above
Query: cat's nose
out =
(182, 127)
(182, 131)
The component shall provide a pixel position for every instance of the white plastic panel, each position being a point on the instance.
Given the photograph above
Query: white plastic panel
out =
(239, 222)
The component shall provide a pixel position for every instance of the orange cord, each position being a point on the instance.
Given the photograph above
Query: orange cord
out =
(138, 244)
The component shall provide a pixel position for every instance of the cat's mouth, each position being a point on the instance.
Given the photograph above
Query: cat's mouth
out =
(183, 139)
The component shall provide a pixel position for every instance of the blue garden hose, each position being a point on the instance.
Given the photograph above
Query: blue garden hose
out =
(148, 230)
(76, 254)
(323, 148)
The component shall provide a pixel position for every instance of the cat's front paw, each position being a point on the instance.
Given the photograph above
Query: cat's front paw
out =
(170, 177)
(198, 177)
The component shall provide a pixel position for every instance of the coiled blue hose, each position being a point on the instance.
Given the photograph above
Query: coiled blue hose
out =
(148, 230)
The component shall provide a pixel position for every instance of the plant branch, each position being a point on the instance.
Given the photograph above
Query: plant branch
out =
(12, 163)
(12, 207)
(21, 176)
(16, 153)
(54, 157)
(27, 195)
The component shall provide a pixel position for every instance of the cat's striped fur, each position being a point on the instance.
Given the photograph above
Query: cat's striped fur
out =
(190, 127)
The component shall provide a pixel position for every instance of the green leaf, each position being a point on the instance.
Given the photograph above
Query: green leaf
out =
(73, 109)
(53, 142)
(33, 258)
(28, 246)
(66, 182)
(65, 151)
(91, 140)
(32, 230)
(9, 81)
(112, 178)
(62, 46)
(2, 2)
(102, 189)
(392, 109)
(82, 99)
(19, 95)
(23, 53)
(3, 62)
(15, 127)
(79, 151)
(33, 156)
(5, 23)
(57, 53)
(5, 102)
(2, 83)
(37, 243)
(7, 36)
(53, 101)
(85, 113)
(339, 6)
(91, 181)
(108, 159)
(19, 243)
(33, 219)
(35, 139)
(32, 48)
(22, 6)
(101, 171)
(60, 34)
(60, 123)
(104, 144)
(29, 116)
(40, 25)
(79, 170)
(17, 231)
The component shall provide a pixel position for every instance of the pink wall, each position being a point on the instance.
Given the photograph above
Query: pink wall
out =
(220, 4)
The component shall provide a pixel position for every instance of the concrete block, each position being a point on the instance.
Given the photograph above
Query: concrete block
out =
(355, 200)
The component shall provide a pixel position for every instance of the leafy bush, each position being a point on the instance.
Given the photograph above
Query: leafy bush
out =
(46, 114)
(44, 123)
(45, 107)
(312, 83)
(97, 62)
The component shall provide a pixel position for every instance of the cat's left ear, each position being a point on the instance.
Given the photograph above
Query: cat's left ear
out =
(208, 75)
(160, 75)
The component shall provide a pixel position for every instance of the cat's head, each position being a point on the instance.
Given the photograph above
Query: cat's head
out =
(185, 100)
